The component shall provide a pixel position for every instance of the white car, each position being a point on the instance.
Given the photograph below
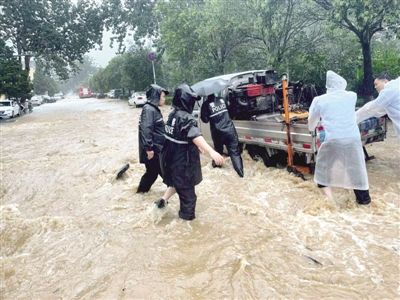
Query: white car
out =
(37, 100)
(138, 99)
(59, 96)
(9, 108)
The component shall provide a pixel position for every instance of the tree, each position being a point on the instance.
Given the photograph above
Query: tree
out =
(281, 28)
(14, 82)
(130, 17)
(137, 70)
(81, 77)
(212, 37)
(58, 32)
(42, 82)
(221, 31)
(179, 38)
(337, 51)
(131, 71)
(386, 57)
(97, 82)
(364, 18)
(200, 37)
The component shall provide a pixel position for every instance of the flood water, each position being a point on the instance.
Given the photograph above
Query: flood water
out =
(69, 230)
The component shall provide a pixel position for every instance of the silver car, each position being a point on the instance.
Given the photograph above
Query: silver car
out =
(37, 100)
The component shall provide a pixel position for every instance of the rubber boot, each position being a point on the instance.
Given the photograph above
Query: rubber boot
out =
(237, 164)
(362, 197)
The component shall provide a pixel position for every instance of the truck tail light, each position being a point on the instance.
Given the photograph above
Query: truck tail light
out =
(267, 140)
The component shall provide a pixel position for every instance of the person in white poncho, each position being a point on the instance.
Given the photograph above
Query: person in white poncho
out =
(340, 159)
(388, 102)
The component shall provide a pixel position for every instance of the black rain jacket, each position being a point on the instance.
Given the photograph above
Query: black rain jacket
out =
(180, 158)
(151, 124)
(214, 110)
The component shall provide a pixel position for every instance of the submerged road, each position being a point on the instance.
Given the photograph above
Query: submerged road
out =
(69, 230)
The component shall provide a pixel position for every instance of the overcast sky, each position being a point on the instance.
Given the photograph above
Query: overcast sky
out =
(102, 57)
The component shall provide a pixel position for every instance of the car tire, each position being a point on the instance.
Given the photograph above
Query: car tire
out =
(260, 154)
(12, 115)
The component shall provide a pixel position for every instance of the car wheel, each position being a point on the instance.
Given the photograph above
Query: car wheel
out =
(260, 154)
(12, 115)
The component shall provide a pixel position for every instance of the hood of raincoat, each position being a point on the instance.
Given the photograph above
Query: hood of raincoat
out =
(154, 92)
(335, 82)
(185, 98)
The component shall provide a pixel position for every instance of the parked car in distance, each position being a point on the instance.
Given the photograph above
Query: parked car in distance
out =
(137, 99)
(59, 95)
(48, 99)
(9, 108)
(100, 95)
(114, 94)
(37, 100)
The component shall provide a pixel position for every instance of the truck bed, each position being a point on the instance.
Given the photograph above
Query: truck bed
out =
(268, 131)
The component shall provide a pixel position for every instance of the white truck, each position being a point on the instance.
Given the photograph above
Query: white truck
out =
(263, 133)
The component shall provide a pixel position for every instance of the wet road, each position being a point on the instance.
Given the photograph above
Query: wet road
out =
(69, 230)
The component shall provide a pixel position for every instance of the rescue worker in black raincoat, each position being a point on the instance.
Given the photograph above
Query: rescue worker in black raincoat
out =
(223, 131)
(180, 158)
(151, 136)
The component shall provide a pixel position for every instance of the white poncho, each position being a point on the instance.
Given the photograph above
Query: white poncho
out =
(340, 159)
(388, 102)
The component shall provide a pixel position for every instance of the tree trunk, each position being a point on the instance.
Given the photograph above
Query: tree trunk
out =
(367, 87)
(27, 63)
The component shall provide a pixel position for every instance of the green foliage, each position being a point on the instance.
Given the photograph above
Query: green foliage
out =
(131, 70)
(43, 83)
(364, 18)
(80, 78)
(98, 82)
(197, 39)
(208, 38)
(180, 39)
(58, 32)
(14, 82)
(124, 17)
(281, 28)
(338, 51)
(386, 57)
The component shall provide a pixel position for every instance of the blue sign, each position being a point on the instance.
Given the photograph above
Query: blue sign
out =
(152, 56)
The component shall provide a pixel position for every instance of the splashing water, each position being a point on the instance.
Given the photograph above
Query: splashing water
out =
(70, 230)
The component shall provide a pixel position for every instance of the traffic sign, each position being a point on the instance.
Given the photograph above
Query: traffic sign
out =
(152, 56)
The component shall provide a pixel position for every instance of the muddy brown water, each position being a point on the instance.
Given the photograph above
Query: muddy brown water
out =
(69, 230)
